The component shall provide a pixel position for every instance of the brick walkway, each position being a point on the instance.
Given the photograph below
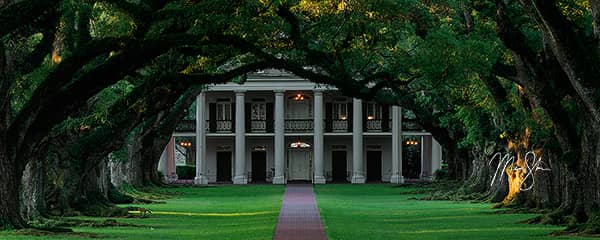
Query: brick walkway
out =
(299, 217)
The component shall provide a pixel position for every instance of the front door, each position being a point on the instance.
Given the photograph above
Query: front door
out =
(299, 165)
(374, 166)
(338, 162)
(259, 166)
(223, 166)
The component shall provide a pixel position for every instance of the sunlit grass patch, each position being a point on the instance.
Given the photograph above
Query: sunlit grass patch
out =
(222, 212)
(388, 212)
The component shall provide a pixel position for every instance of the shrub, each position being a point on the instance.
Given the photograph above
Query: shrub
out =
(441, 174)
(186, 172)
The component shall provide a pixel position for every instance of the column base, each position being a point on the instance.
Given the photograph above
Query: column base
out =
(358, 179)
(279, 180)
(240, 180)
(397, 179)
(319, 180)
(201, 180)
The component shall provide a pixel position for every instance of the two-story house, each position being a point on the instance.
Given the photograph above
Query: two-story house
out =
(277, 127)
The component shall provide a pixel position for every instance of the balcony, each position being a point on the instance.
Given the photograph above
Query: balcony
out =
(186, 126)
(378, 125)
(339, 125)
(299, 125)
(296, 125)
(259, 126)
(411, 125)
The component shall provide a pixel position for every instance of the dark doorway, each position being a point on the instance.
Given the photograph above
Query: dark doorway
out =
(411, 160)
(338, 165)
(223, 166)
(373, 166)
(259, 166)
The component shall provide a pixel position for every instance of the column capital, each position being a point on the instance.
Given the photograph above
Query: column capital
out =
(279, 91)
(318, 91)
(240, 92)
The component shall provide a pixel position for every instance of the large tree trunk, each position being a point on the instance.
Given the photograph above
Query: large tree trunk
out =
(32, 193)
(10, 216)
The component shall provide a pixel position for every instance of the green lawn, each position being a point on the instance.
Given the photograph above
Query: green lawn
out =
(386, 212)
(348, 212)
(223, 212)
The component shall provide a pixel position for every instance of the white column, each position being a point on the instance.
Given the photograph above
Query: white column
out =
(171, 168)
(162, 163)
(318, 138)
(200, 140)
(357, 142)
(279, 139)
(426, 152)
(397, 177)
(240, 140)
(436, 156)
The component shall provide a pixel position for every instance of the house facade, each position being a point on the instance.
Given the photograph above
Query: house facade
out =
(277, 127)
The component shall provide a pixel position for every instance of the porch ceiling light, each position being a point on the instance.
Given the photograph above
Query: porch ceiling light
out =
(299, 144)
(370, 117)
(299, 97)
(343, 117)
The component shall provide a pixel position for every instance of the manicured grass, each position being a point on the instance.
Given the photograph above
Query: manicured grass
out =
(221, 212)
(386, 212)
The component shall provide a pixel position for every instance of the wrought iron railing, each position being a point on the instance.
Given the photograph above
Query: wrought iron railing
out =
(223, 126)
(258, 125)
(295, 125)
(411, 125)
(186, 126)
(299, 125)
(374, 125)
(340, 126)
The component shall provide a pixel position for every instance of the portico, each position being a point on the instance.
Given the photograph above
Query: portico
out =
(306, 131)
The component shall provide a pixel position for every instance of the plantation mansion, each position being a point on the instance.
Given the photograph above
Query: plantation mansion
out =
(277, 127)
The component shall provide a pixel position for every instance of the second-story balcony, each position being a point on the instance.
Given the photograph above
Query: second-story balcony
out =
(338, 125)
(299, 125)
(220, 126)
(258, 126)
(378, 125)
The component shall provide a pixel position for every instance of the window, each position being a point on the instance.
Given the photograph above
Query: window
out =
(340, 111)
(259, 111)
(223, 109)
(373, 111)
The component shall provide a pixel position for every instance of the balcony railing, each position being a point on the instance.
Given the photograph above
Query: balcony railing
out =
(295, 125)
(298, 125)
(374, 125)
(221, 126)
(258, 126)
(186, 126)
(411, 125)
(339, 125)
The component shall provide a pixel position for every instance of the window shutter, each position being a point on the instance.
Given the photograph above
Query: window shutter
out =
(328, 117)
(233, 110)
(212, 117)
(364, 116)
(248, 117)
(269, 117)
(350, 116)
(385, 118)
